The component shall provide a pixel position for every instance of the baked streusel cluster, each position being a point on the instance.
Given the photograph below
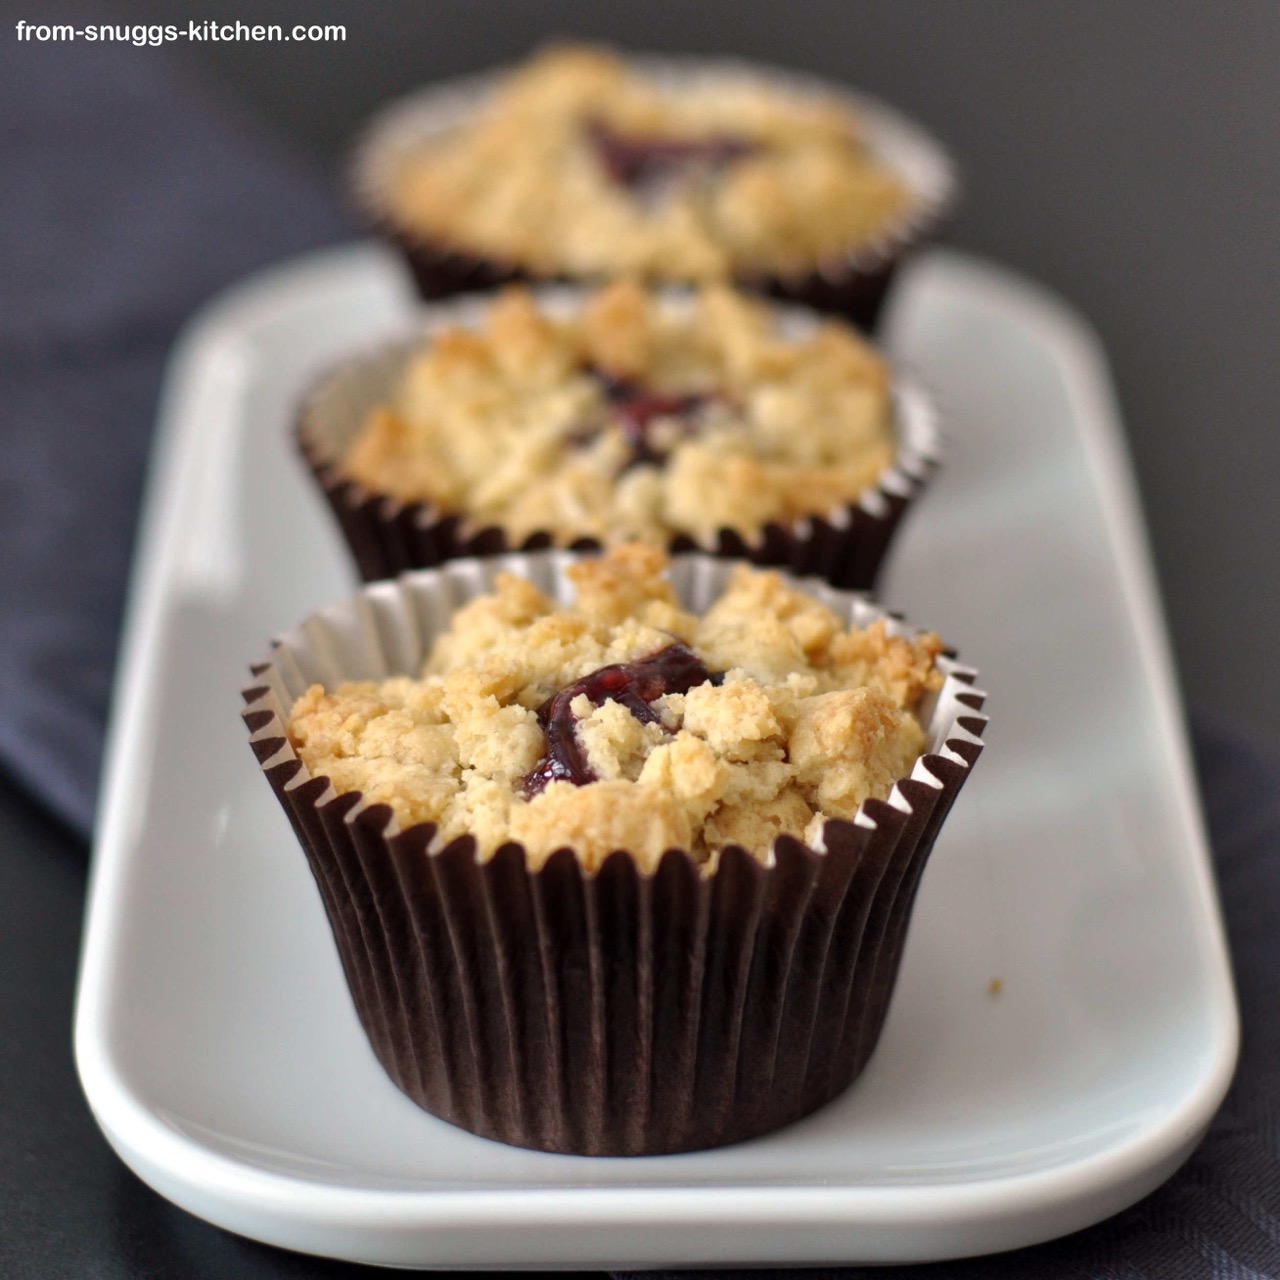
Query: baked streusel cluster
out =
(639, 415)
(626, 722)
(579, 166)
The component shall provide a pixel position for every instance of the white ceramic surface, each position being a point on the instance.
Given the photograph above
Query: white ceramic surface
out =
(214, 1036)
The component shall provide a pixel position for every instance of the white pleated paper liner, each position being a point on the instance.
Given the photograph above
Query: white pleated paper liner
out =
(853, 285)
(614, 1012)
(845, 546)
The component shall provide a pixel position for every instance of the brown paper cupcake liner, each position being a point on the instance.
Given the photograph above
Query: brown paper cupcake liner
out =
(845, 547)
(853, 286)
(614, 1013)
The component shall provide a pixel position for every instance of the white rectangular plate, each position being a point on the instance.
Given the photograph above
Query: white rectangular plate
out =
(1064, 1025)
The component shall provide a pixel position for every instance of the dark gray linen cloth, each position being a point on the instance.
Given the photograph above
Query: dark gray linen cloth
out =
(127, 197)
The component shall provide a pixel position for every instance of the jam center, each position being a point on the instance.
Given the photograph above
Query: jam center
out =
(634, 685)
(644, 160)
(635, 407)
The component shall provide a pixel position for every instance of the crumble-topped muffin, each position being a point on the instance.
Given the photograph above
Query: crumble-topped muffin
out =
(582, 166)
(634, 415)
(626, 722)
(572, 996)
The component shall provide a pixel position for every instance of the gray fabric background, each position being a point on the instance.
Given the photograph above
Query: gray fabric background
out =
(125, 202)
(128, 195)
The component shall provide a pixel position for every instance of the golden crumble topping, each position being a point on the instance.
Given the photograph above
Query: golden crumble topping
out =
(579, 166)
(625, 722)
(634, 417)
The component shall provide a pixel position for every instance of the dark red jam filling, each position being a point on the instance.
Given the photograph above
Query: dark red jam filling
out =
(637, 161)
(634, 407)
(634, 685)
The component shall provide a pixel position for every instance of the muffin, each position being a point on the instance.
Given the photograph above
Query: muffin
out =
(618, 860)
(697, 421)
(580, 166)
